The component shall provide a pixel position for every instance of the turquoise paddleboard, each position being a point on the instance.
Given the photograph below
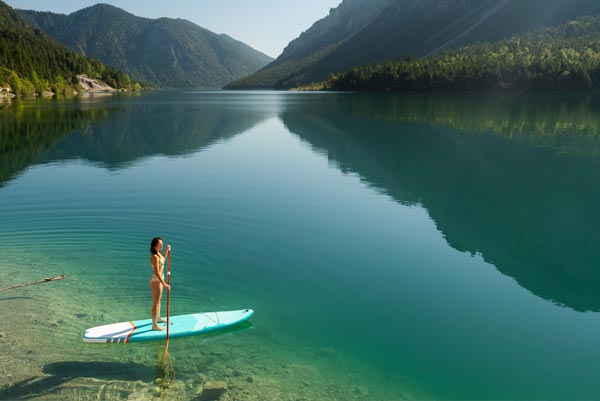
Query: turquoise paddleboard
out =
(180, 326)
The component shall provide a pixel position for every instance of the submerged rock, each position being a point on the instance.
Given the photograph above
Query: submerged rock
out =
(211, 391)
(326, 352)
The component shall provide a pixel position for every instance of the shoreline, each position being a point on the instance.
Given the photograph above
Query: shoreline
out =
(44, 357)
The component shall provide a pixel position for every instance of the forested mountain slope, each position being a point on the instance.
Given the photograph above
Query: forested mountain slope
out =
(164, 52)
(562, 57)
(31, 61)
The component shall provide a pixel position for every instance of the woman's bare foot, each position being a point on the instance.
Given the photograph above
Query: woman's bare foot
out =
(157, 328)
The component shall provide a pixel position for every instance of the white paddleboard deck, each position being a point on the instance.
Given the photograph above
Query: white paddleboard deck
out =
(180, 326)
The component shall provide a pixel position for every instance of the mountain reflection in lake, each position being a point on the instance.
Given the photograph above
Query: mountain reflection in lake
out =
(513, 178)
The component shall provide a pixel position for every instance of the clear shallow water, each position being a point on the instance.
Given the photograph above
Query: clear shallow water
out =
(433, 247)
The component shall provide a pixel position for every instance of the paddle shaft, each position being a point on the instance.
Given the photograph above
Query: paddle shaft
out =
(168, 297)
(61, 277)
(169, 371)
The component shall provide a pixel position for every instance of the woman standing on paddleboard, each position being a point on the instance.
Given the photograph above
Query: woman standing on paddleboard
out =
(157, 281)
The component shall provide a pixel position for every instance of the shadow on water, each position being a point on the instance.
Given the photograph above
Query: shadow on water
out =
(100, 370)
(514, 178)
(64, 372)
(61, 373)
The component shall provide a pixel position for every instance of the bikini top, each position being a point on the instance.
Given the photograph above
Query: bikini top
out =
(161, 263)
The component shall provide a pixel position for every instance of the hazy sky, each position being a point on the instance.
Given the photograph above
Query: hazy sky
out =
(266, 25)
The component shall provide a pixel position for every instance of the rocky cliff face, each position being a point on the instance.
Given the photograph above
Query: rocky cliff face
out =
(365, 31)
(93, 85)
(342, 22)
(353, 16)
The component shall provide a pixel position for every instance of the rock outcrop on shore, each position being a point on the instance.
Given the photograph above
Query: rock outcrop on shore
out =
(6, 93)
(93, 85)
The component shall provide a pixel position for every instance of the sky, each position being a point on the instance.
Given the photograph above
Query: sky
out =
(266, 25)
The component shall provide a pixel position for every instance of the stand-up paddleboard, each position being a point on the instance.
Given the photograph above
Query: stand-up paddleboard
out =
(180, 326)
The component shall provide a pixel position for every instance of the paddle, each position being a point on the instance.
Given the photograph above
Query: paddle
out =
(168, 297)
(61, 277)
(167, 360)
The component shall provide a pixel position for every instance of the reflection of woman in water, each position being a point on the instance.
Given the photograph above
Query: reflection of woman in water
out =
(157, 281)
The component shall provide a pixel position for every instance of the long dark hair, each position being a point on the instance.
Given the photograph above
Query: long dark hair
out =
(153, 245)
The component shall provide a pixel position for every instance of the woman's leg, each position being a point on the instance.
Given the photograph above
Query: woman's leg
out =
(156, 297)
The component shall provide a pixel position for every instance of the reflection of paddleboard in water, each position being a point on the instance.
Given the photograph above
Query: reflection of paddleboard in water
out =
(180, 326)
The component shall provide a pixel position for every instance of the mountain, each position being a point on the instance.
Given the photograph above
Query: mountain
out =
(565, 56)
(361, 31)
(164, 52)
(32, 61)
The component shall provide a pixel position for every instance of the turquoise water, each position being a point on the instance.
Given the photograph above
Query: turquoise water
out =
(392, 247)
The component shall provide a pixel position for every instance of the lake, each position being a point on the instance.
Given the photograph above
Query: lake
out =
(392, 246)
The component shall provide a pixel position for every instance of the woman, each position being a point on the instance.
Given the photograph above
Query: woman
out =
(157, 281)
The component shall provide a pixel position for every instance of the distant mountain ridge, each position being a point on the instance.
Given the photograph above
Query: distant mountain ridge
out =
(379, 30)
(164, 52)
